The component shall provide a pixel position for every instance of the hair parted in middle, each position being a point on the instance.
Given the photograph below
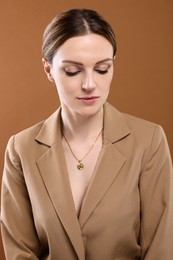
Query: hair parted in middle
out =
(73, 23)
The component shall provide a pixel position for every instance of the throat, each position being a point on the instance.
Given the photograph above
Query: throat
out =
(77, 127)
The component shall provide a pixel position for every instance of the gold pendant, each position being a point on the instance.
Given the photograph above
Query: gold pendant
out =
(80, 166)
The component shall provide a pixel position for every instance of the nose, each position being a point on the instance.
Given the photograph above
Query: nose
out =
(89, 83)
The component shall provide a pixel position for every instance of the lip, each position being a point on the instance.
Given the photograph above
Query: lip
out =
(87, 97)
(89, 100)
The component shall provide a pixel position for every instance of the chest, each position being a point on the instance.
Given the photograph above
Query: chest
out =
(80, 178)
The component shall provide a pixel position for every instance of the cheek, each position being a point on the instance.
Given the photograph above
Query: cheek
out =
(65, 82)
(109, 79)
(66, 86)
(105, 82)
(107, 85)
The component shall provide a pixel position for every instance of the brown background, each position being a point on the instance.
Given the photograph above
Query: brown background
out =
(142, 85)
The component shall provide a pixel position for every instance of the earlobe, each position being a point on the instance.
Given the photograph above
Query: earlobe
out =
(47, 69)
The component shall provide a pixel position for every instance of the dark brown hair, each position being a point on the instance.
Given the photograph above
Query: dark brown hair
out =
(75, 22)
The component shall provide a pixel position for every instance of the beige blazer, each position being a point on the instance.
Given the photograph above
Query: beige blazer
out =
(127, 212)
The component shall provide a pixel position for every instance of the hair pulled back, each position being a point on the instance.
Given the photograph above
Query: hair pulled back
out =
(72, 23)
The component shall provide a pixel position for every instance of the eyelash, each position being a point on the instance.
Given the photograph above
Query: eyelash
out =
(71, 74)
(102, 72)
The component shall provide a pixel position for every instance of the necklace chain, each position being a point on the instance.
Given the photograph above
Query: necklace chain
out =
(80, 165)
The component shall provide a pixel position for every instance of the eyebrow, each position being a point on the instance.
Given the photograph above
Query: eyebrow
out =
(81, 64)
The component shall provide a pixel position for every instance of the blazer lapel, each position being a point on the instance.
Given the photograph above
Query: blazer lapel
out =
(52, 168)
(109, 164)
(108, 167)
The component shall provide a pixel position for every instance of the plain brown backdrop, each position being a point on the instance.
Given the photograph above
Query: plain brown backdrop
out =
(143, 79)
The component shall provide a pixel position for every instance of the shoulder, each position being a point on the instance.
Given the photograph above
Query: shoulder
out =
(23, 141)
(133, 135)
(137, 124)
(145, 131)
(144, 128)
(139, 129)
(28, 138)
(29, 134)
(131, 120)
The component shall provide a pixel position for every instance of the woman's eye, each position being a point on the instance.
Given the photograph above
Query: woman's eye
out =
(102, 71)
(71, 71)
(71, 74)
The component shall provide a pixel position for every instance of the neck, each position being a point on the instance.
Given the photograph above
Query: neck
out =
(76, 126)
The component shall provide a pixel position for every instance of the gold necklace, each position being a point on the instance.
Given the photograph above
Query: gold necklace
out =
(80, 165)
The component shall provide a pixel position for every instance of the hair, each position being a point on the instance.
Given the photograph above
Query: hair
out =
(72, 23)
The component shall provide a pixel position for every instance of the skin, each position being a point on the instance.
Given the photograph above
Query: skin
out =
(82, 70)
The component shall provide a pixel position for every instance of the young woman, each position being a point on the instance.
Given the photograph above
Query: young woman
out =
(89, 182)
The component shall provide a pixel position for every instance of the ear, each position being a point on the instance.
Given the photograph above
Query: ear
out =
(47, 69)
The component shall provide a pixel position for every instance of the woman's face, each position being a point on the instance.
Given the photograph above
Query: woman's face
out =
(82, 70)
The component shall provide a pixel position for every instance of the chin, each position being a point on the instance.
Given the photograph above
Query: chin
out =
(90, 111)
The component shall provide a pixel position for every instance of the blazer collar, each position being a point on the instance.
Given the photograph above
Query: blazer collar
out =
(115, 127)
(52, 166)
(50, 132)
(53, 170)
(110, 162)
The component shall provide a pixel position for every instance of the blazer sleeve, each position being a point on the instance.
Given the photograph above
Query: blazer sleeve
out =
(156, 192)
(17, 225)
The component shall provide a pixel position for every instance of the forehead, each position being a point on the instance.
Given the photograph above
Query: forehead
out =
(87, 48)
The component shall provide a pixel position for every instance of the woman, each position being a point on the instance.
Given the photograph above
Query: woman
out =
(89, 182)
